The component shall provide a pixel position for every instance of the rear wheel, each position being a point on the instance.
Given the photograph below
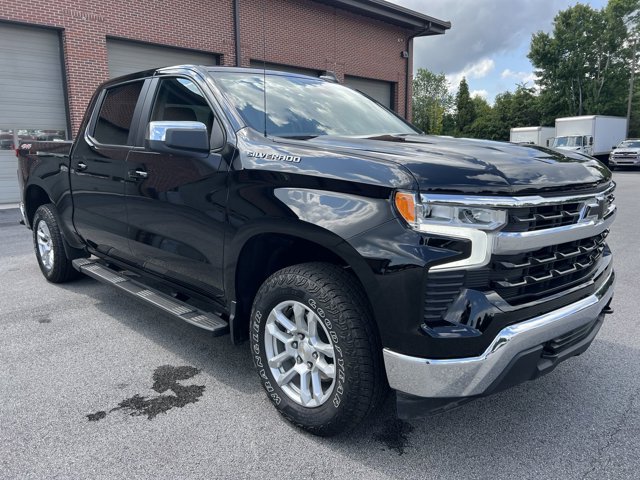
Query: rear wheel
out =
(316, 349)
(48, 243)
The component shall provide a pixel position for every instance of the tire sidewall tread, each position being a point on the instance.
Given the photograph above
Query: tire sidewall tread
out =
(333, 294)
(62, 270)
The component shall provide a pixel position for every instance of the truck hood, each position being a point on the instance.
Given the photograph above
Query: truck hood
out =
(626, 151)
(444, 164)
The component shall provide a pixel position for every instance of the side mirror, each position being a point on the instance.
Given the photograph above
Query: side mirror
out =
(178, 138)
(590, 140)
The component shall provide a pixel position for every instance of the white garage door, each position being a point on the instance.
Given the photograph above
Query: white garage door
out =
(32, 104)
(129, 57)
(377, 89)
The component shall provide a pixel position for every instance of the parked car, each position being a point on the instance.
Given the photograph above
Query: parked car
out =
(626, 154)
(351, 251)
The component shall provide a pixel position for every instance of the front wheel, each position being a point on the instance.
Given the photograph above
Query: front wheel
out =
(48, 242)
(316, 349)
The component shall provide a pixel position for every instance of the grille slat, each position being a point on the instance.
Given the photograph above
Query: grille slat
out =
(543, 216)
(524, 277)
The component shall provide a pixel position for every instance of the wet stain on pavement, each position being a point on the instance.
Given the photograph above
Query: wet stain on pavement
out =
(165, 378)
(395, 435)
(94, 417)
(44, 320)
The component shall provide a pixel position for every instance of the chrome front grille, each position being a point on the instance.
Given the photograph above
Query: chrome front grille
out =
(625, 155)
(543, 216)
(548, 245)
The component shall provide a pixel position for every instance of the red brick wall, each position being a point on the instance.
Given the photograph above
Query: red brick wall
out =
(306, 34)
(298, 32)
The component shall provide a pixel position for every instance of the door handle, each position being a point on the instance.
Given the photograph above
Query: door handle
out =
(81, 167)
(138, 174)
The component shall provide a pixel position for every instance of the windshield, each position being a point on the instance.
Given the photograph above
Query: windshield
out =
(567, 142)
(306, 107)
(630, 144)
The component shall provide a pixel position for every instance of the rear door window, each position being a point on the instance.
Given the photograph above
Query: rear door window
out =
(116, 113)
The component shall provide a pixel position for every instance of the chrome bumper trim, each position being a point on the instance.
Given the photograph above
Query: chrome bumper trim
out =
(466, 377)
(510, 202)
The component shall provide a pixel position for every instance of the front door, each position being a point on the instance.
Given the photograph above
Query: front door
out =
(176, 203)
(98, 170)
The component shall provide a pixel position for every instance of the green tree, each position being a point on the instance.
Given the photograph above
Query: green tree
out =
(431, 101)
(634, 124)
(581, 65)
(465, 108)
(486, 125)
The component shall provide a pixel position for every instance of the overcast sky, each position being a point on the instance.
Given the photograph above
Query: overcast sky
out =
(488, 41)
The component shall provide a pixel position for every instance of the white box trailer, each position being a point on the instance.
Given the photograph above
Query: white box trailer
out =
(532, 135)
(595, 135)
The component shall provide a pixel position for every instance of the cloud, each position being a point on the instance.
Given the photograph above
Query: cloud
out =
(479, 93)
(479, 69)
(528, 78)
(479, 29)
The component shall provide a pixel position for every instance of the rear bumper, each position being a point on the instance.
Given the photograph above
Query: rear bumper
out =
(457, 379)
(23, 214)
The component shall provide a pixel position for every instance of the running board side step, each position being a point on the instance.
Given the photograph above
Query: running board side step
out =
(176, 308)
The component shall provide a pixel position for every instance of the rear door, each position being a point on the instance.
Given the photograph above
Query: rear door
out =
(98, 169)
(177, 203)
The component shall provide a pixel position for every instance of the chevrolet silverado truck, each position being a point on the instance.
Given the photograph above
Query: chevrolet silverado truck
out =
(354, 254)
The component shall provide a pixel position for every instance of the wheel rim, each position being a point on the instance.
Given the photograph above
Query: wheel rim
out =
(45, 245)
(300, 353)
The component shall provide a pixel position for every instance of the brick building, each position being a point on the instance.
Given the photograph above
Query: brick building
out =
(54, 53)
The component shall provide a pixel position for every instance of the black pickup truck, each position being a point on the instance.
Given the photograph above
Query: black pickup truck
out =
(353, 253)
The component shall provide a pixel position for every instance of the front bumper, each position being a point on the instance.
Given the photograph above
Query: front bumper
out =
(624, 162)
(465, 378)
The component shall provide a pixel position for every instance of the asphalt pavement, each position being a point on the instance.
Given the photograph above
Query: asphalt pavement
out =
(96, 385)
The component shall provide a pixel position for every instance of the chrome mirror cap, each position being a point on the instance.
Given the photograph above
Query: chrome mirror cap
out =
(157, 131)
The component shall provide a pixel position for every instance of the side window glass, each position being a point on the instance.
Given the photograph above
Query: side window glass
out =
(179, 99)
(116, 112)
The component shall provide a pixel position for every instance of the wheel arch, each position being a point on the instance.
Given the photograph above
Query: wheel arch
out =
(262, 253)
(35, 196)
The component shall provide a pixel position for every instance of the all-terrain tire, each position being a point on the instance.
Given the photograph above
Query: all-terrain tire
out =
(59, 269)
(334, 295)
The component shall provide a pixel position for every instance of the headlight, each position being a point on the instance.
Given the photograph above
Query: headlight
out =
(472, 223)
(420, 214)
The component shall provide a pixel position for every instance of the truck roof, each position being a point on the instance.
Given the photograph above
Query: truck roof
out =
(524, 129)
(201, 69)
(587, 117)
